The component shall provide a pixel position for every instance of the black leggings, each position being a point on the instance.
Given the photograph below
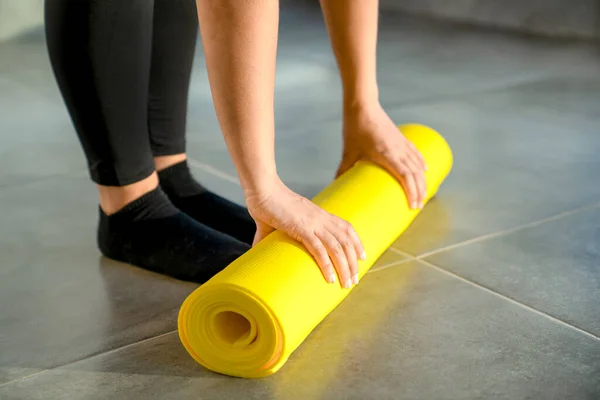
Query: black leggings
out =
(123, 68)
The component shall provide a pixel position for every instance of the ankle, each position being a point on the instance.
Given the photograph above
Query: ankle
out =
(164, 162)
(114, 198)
(178, 182)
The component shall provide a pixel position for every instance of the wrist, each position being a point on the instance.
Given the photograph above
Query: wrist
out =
(360, 102)
(260, 182)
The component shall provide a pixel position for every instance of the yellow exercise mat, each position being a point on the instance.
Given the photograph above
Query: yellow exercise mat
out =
(248, 319)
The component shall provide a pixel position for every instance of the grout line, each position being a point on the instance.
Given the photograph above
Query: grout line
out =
(393, 264)
(214, 171)
(24, 377)
(61, 367)
(116, 349)
(513, 301)
(386, 266)
(402, 253)
(507, 231)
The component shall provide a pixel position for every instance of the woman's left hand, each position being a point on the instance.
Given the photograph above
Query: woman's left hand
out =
(370, 134)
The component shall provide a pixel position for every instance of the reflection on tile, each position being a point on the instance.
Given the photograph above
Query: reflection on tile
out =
(408, 329)
(63, 385)
(553, 267)
(8, 374)
(445, 61)
(37, 137)
(512, 162)
(25, 61)
(62, 301)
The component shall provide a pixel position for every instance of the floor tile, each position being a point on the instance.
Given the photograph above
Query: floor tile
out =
(389, 258)
(518, 157)
(521, 115)
(553, 267)
(423, 61)
(8, 374)
(406, 332)
(62, 300)
(25, 60)
(37, 137)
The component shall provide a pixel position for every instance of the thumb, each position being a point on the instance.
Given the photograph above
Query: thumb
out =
(262, 231)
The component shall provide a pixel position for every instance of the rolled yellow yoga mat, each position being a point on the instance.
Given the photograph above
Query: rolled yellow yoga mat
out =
(248, 319)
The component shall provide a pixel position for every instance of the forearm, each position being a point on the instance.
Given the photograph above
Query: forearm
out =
(240, 44)
(352, 27)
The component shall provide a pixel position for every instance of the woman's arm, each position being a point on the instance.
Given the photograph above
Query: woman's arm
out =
(240, 42)
(352, 27)
(369, 133)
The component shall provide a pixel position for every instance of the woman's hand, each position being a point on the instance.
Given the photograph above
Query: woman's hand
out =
(325, 236)
(372, 135)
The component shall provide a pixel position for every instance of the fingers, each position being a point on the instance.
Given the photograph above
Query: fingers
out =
(408, 171)
(336, 247)
(410, 187)
(340, 258)
(420, 166)
(317, 249)
(353, 247)
(355, 243)
(417, 155)
(418, 177)
(331, 241)
(403, 174)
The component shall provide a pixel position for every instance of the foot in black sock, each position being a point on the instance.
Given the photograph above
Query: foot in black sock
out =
(204, 206)
(151, 233)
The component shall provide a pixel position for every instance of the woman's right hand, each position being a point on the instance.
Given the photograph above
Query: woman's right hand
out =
(332, 242)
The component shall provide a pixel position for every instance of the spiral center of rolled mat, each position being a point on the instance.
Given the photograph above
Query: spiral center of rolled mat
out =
(234, 329)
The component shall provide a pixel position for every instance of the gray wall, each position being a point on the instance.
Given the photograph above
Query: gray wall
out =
(567, 18)
(570, 18)
(19, 16)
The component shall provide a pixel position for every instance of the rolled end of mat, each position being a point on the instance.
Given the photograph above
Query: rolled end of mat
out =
(249, 318)
(226, 329)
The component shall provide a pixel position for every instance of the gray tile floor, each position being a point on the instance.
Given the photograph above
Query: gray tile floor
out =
(493, 292)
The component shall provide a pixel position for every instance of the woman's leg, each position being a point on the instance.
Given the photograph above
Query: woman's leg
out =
(100, 52)
(174, 39)
(99, 55)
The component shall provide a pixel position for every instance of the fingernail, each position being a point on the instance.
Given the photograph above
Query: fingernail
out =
(348, 284)
(331, 278)
(355, 279)
(421, 205)
(414, 205)
(363, 255)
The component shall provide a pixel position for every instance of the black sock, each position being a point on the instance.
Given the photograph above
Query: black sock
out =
(152, 233)
(204, 206)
